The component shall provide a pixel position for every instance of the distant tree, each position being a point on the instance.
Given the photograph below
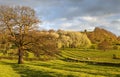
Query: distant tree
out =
(63, 39)
(79, 40)
(115, 47)
(104, 45)
(118, 40)
(51, 30)
(93, 46)
(99, 35)
(85, 31)
(73, 39)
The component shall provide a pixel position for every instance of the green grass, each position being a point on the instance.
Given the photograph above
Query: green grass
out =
(7, 71)
(55, 68)
(61, 68)
(93, 55)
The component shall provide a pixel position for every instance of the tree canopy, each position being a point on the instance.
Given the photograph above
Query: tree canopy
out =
(19, 25)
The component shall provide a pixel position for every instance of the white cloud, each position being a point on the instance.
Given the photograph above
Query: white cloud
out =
(75, 15)
(89, 18)
(82, 23)
(63, 19)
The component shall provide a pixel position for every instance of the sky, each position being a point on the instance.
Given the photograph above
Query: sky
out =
(76, 15)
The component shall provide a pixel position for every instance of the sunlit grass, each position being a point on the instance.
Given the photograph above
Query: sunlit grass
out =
(62, 68)
(55, 68)
(93, 55)
(7, 71)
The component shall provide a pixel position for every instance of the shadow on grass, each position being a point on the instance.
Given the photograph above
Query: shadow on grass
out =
(93, 62)
(25, 71)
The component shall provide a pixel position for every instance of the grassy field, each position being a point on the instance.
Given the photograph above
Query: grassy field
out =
(91, 55)
(62, 68)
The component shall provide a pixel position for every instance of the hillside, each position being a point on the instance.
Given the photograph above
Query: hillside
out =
(99, 35)
(103, 65)
(118, 39)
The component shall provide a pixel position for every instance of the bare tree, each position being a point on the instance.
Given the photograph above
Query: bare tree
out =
(18, 21)
(42, 43)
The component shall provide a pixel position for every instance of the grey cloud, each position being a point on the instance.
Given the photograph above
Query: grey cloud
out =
(62, 7)
(115, 22)
(106, 11)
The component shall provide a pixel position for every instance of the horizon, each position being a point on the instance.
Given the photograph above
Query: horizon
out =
(75, 15)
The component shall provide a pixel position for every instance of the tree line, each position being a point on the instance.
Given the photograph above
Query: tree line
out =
(103, 39)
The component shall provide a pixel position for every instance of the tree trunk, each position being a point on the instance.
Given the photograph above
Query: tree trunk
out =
(20, 56)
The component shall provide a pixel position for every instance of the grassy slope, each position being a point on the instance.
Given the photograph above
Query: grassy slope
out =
(7, 71)
(93, 55)
(59, 68)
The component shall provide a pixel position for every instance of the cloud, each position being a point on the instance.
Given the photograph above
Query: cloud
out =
(90, 19)
(74, 14)
(76, 24)
(85, 22)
